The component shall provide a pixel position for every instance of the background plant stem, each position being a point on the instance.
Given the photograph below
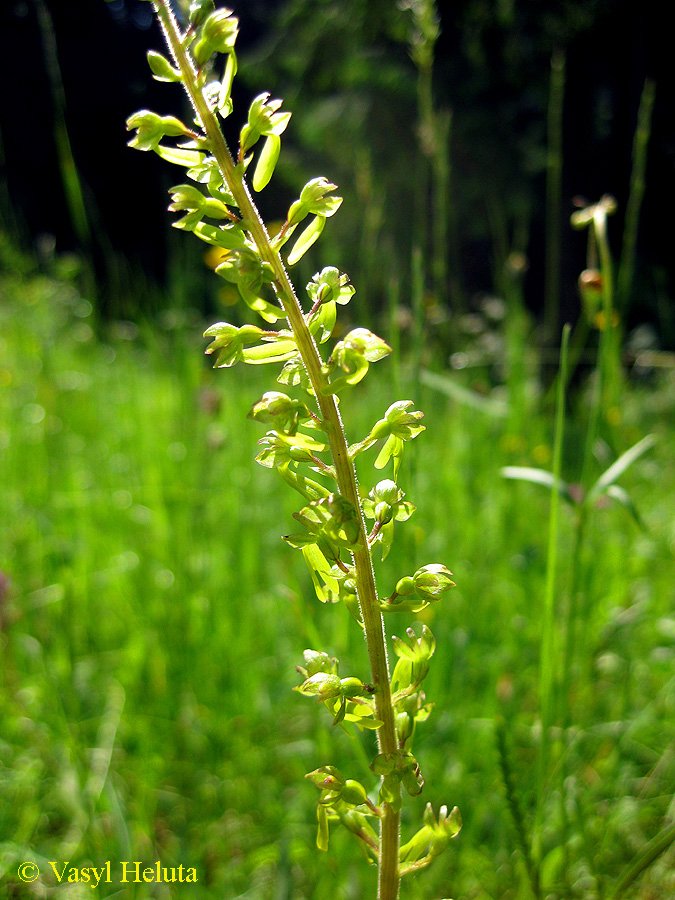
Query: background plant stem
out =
(547, 657)
(554, 165)
(624, 278)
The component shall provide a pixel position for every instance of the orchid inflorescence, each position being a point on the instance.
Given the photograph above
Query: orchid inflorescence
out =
(305, 438)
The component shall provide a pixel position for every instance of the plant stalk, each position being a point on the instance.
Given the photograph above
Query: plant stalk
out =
(388, 876)
(547, 666)
(624, 280)
(554, 164)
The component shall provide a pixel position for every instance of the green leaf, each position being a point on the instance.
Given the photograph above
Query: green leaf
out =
(448, 386)
(537, 476)
(617, 469)
(623, 497)
(642, 860)
(308, 237)
(266, 162)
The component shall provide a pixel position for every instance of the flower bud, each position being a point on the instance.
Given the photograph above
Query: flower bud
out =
(405, 586)
(351, 601)
(352, 687)
(591, 285)
(199, 10)
(431, 581)
(404, 724)
(322, 686)
(354, 821)
(353, 793)
(349, 585)
(383, 513)
(161, 68)
(386, 491)
(317, 661)
(385, 502)
(326, 778)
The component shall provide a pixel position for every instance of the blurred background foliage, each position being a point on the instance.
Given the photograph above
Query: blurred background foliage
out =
(467, 150)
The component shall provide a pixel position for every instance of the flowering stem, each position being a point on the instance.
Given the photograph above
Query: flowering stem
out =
(388, 874)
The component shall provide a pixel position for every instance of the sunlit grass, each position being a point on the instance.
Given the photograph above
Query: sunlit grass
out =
(154, 619)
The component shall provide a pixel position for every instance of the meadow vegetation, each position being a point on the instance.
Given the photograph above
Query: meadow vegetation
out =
(151, 619)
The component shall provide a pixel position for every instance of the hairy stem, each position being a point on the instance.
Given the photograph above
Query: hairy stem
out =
(388, 877)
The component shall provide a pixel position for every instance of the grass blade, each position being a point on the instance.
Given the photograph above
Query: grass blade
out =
(458, 392)
(617, 468)
(643, 860)
(624, 279)
(538, 476)
(623, 497)
(546, 671)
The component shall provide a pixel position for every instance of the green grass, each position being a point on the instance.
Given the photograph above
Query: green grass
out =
(155, 617)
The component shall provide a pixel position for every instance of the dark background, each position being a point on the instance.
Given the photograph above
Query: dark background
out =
(492, 66)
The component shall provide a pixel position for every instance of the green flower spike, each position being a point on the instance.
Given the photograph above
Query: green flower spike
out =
(334, 540)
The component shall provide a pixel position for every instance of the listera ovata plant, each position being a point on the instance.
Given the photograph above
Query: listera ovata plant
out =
(341, 527)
